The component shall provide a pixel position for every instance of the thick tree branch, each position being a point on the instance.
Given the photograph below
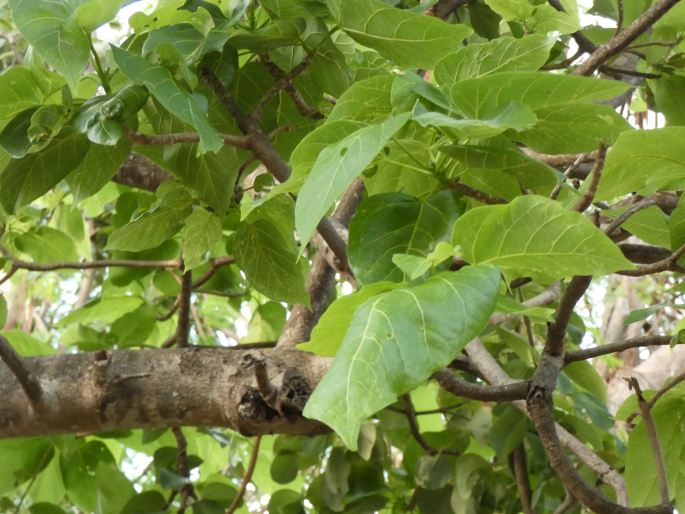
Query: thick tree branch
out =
(621, 40)
(195, 386)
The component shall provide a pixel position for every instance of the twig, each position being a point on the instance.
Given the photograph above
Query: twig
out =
(215, 264)
(676, 380)
(282, 83)
(517, 461)
(617, 72)
(556, 332)
(460, 387)
(619, 21)
(247, 477)
(606, 349)
(475, 193)
(621, 219)
(560, 160)
(410, 413)
(183, 328)
(654, 443)
(184, 137)
(567, 173)
(595, 175)
(565, 506)
(303, 108)
(668, 264)
(182, 468)
(621, 40)
(27, 381)
(170, 313)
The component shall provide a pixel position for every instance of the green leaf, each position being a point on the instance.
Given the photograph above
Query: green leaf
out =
(573, 128)
(336, 168)
(644, 161)
(53, 30)
(587, 377)
(499, 55)
(45, 245)
(479, 96)
(19, 90)
(145, 502)
(184, 37)
(201, 230)
(365, 100)
(26, 345)
(541, 18)
(330, 330)
(93, 13)
(152, 228)
(650, 224)
(642, 314)
(133, 328)
(102, 310)
(668, 95)
(269, 259)
(395, 223)
(407, 38)
(26, 179)
(266, 323)
(97, 168)
(641, 476)
(396, 341)
(536, 237)
(514, 115)
(176, 100)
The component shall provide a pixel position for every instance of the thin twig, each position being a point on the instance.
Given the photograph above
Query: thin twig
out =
(247, 477)
(654, 443)
(27, 381)
(410, 413)
(300, 103)
(606, 349)
(184, 137)
(676, 380)
(187, 490)
(619, 20)
(633, 209)
(184, 297)
(517, 461)
(475, 193)
(215, 264)
(595, 175)
(567, 173)
(621, 40)
(556, 332)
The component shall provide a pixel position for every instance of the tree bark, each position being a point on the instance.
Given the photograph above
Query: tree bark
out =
(198, 386)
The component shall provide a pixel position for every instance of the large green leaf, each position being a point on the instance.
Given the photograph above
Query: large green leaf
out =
(102, 310)
(393, 223)
(26, 179)
(396, 341)
(483, 95)
(45, 244)
(53, 30)
(19, 90)
(573, 128)
(644, 161)
(176, 100)
(515, 116)
(270, 262)
(536, 237)
(329, 332)
(499, 55)
(335, 169)
(541, 17)
(97, 168)
(407, 38)
(201, 230)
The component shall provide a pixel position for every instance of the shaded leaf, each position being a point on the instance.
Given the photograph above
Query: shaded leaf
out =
(19, 90)
(201, 230)
(96, 169)
(102, 310)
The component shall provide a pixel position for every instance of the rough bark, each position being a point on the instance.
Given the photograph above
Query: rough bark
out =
(198, 386)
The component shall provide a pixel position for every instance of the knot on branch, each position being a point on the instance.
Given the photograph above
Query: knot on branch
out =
(544, 380)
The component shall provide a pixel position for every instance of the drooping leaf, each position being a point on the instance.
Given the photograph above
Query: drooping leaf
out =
(499, 55)
(407, 38)
(45, 245)
(515, 116)
(335, 169)
(97, 168)
(395, 223)
(480, 96)
(270, 262)
(573, 128)
(25, 179)
(660, 151)
(53, 30)
(396, 340)
(176, 100)
(330, 330)
(536, 237)
(201, 230)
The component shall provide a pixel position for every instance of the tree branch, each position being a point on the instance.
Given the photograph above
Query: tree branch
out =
(410, 413)
(625, 215)
(475, 194)
(184, 137)
(517, 461)
(28, 382)
(621, 40)
(596, 174)
(556, 332)
(668, 264)
(654, 443)
(460, 387)
(606, 349)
